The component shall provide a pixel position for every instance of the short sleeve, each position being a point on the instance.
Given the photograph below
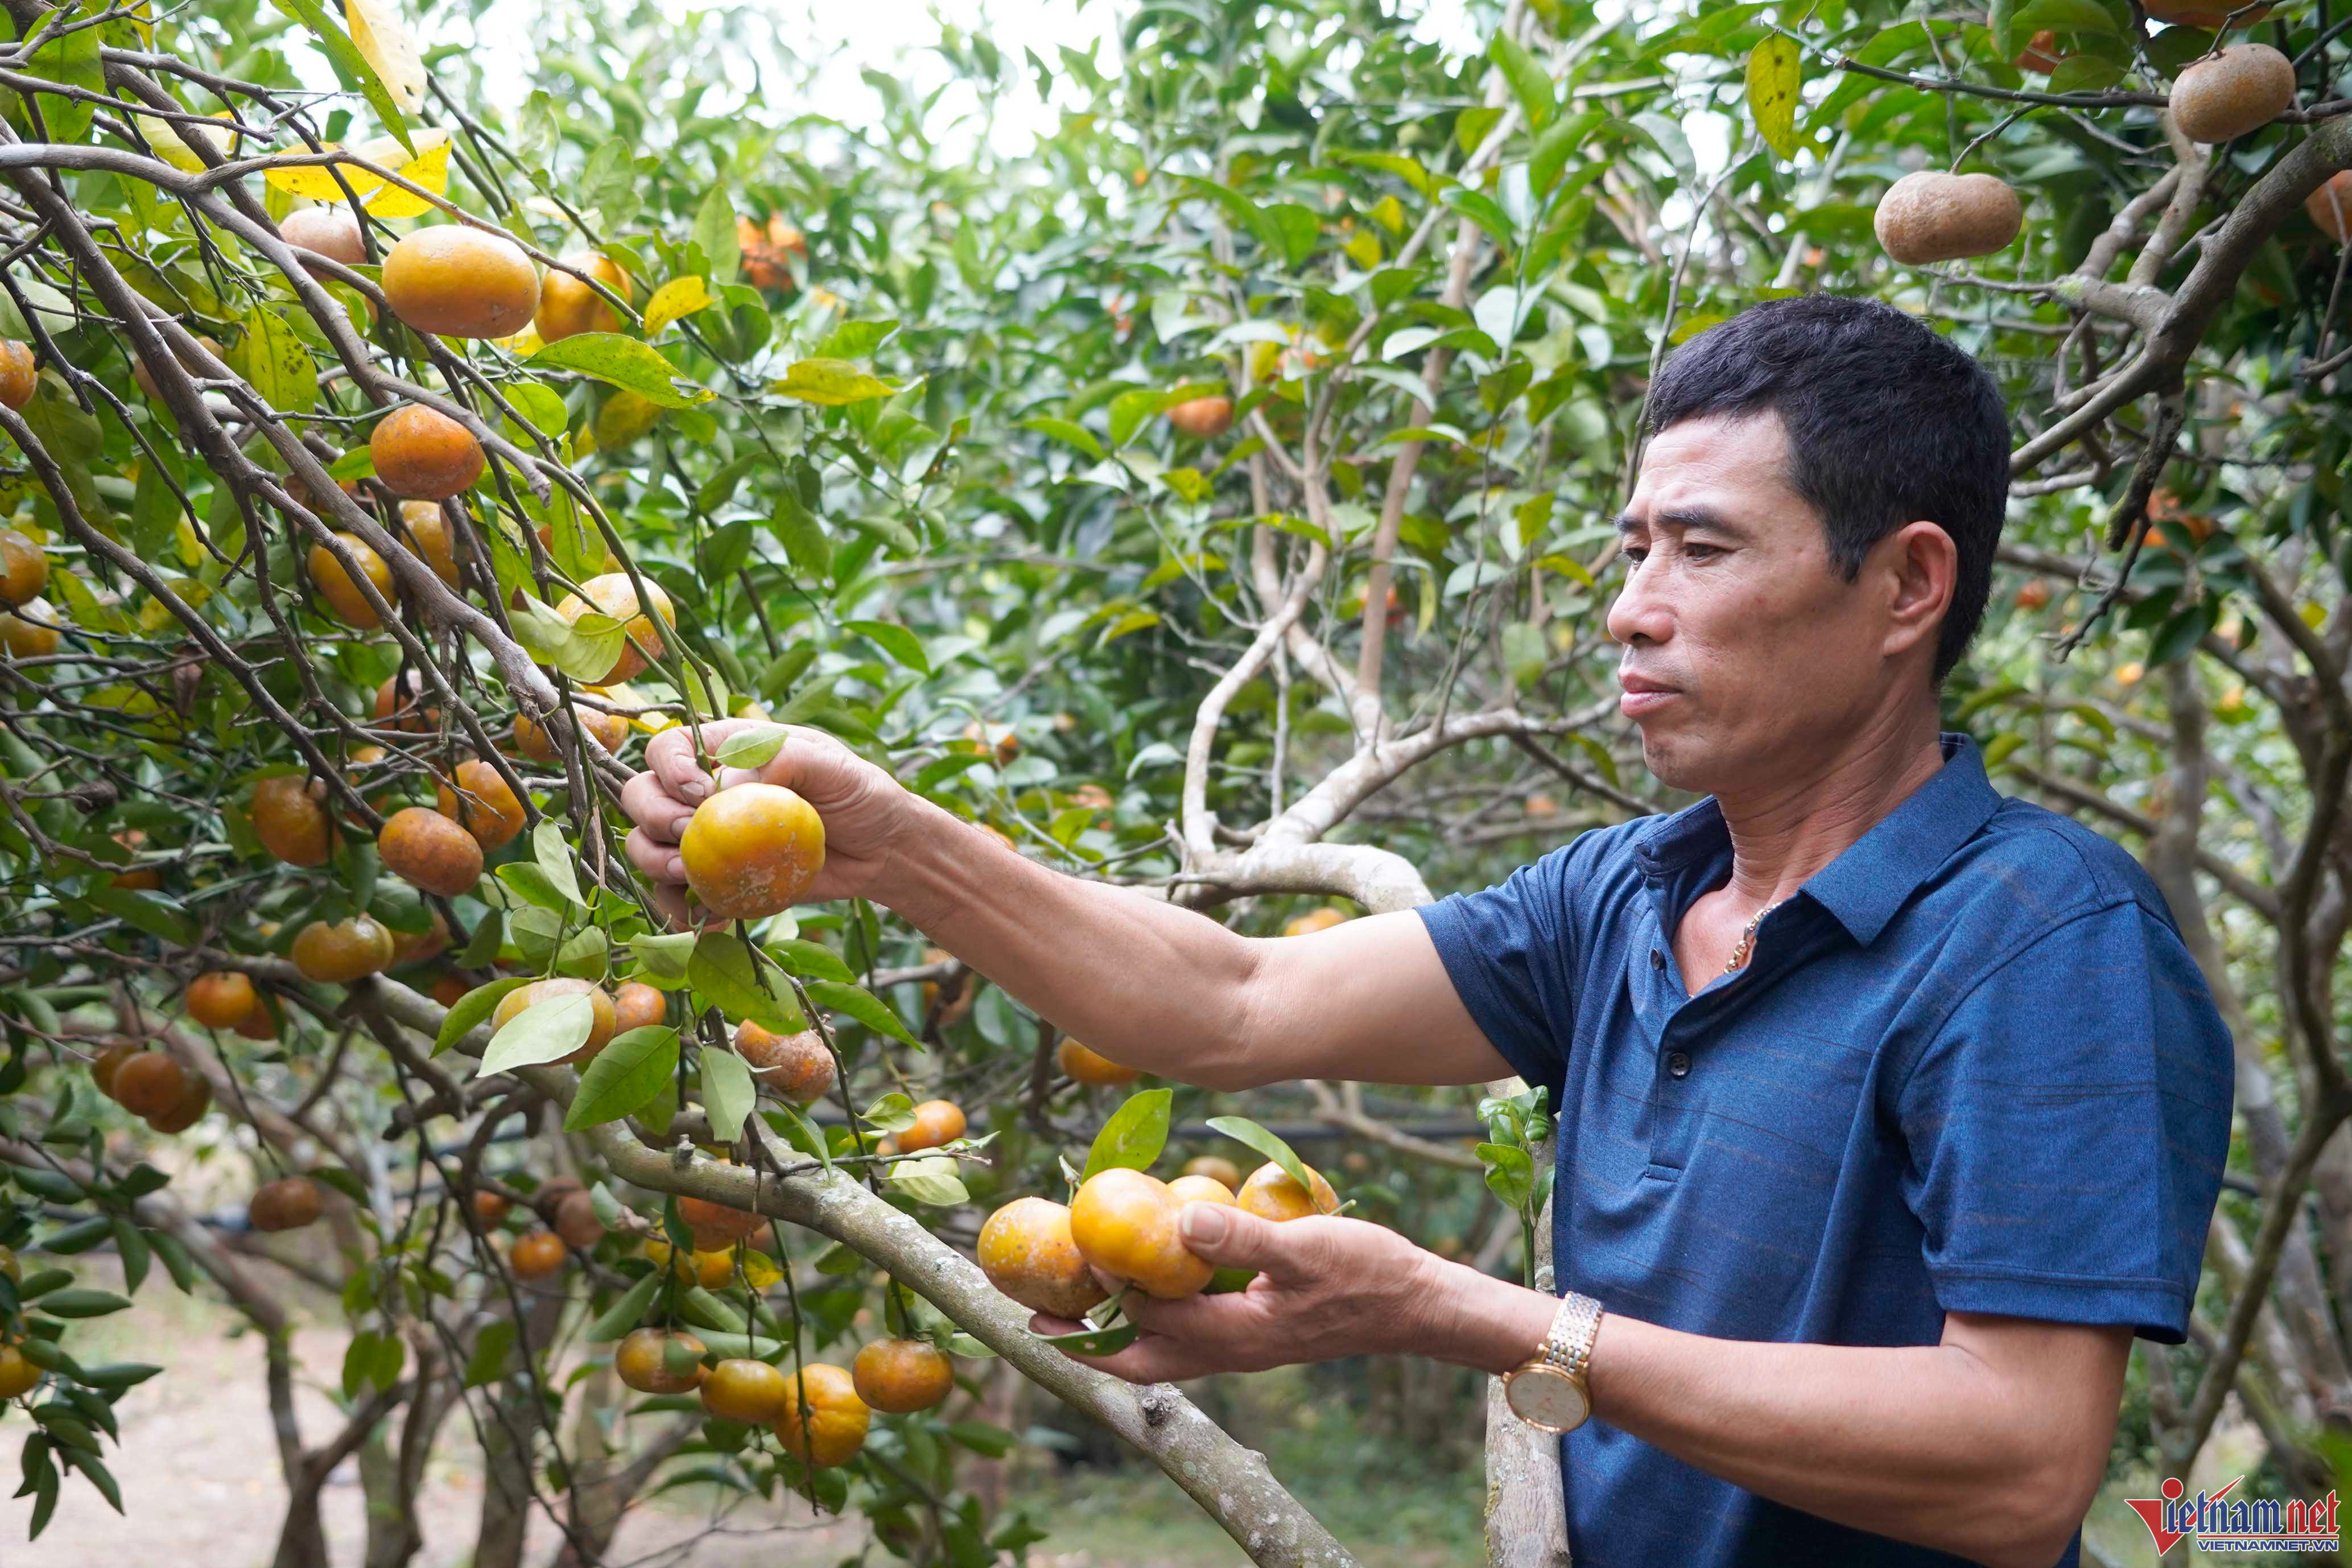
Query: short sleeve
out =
(2067, 1129)
(1510, 951)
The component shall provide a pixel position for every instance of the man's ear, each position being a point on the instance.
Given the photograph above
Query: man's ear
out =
(1919, 568)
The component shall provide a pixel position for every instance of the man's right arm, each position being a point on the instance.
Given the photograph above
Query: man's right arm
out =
(1144, 982)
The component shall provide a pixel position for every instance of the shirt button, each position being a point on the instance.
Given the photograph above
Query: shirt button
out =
(1657, 959)
(1679, 1064)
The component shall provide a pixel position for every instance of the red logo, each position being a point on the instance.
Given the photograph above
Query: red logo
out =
(2152, 1513)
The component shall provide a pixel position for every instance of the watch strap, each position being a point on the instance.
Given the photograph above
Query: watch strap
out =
(1569, 1344)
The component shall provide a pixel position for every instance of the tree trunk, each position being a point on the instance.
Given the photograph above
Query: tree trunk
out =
(1526, 1503)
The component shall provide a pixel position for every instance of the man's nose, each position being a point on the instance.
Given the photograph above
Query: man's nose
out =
(1639, 613)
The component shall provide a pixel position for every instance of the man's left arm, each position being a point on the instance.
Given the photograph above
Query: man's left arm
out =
(1988, 1445)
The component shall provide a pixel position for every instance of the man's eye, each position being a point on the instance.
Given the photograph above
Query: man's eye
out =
(1634, 553)
(1701, 551)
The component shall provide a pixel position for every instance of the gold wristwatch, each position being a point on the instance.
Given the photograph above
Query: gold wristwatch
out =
(1549, 1392)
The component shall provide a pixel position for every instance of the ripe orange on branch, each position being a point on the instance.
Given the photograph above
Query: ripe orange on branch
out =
(1931, 216)
(221, 999)
(194, 1101)
(2242, 88)
(538, 1255)
(937, 1122)
(330, 231)
(902, 1376)
(752, 850)
(290, 821)
(637, 1005)
(615, 595)
(340, 952)
(1027, 1251)
(1124, 1224)
(611, 731)
(660, 1361)
(24, 568)
(575, 1218)
(2330, 207)
(17, 1376)
(19, 376)
(428, 850)
(1217, 1168)
(428, 534)
(567, 307)
(422, 453)
(148, 1083)
(288, 1204)
(481, 803)
(342, 592)
(1203, 418)
(749, 1393)
(836, 1422)
(459, 282)
(795, 1067)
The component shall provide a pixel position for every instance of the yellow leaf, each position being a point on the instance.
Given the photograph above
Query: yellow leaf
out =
(172, 145)
(678, 297)
(313, 182)
(429, 168)
(759, 1270)
(1775, 71)
(381, 35)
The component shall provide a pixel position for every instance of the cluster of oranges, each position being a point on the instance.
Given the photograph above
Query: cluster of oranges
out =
(821, 1413)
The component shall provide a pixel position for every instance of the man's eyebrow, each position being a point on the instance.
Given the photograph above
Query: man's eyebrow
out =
(1682, 517)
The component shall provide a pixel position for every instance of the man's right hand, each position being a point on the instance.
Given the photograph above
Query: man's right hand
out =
(867, 812)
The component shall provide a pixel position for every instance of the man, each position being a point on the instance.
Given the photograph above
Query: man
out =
(1889, 1109)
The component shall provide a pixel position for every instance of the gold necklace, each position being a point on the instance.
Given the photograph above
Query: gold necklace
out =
(1746, 943)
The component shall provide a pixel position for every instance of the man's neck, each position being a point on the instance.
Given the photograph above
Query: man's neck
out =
(1783, 832)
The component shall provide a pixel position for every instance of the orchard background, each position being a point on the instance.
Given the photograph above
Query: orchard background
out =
(910, 420)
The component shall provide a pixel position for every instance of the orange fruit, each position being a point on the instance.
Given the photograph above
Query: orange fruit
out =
(459, 282)
(1270, 1194)
(488, 809)
(717, 1226)
(2330, 207)
(290, 821)
(960, 1000)
(637, 1005)
(428, 534)
(522, 997)
(1028, 1252)
(422, 453)
(260, 1023)
(344, 951)
(567, 306)
(491, 1207)
(749, 1393)
(17, 1376)
(400, 704)
(221, 998)
(1201, 1190)
(2040, 53)
(2033, 595)
(194, 1100)
(613, 595)
(1203, 418)
(1092, 1068)
(576, 1221)
(837, 1420)
(24, 569)
(428, 850)
(752, 850)
(937, 1122)
(902, 1376)
(1217, 1168)
(1314, 920)
(148, 1083)
(660, 1361)
(538, 1255)
(1124, 1224)
(336, 585)
(20, 379)
(287, 1204)
(708, 1269)
(450, 989)
(34, 634)
(612, 732)
(330, 231)
(415, 947)
(108, 1062)
(795, 1067)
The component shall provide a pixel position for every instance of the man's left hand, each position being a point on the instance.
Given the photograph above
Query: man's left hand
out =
(1326, 1287)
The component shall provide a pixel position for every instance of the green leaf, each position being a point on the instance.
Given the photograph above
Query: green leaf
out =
(861, 1005)
(1775, 73)
(1528, 83)
(932, 1180)
(802, 535)
(704, 1309)
(1093, 1342)
(493, 1348)
(274, 359)
(473, 1008)
(830, 382)
(554, 859)
(727, 1094)
(627, 1312)
(751, 748)
(82, 1302)
(809, 959)
(1511, 1172)
(1483, 210)
(1065, 432)
(630, 1071)
(1243, 1130)
(893, 640)
(662, 960)
(546, 1031)
(723, 971)
(2062, 16)
(1557, 145)
(1134, 1136)
(539, 405)
(891, 1113)
(149, 912)
(351, 65)
(1408, 170)
(623, 363)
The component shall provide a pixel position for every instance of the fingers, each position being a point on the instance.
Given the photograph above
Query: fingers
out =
(660, 815)
(653, 856)
(670, 757)
(1150, 1359)
(1234, 1239)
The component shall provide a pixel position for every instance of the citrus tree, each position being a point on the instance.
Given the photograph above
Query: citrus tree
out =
(1212, 498)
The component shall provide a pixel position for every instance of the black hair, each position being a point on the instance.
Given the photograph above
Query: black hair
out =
(1887, 424)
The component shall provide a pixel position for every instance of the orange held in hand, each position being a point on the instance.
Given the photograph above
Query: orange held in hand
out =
(660, 1361)
(902, 1376)
(1124, 1223)
(1270, 1194)
(615, 595)
(1028, 1252)
(422, 453)
(460, 282)
(428, 850)
(837, 1421)
(752, 850)
(1217, 1168)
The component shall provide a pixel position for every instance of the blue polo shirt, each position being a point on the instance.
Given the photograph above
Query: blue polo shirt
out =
(1969, 1069)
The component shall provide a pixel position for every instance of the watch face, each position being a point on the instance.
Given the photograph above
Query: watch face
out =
(1545, 1398)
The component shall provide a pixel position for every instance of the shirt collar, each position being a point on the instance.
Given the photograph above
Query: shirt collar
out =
(1875, 875)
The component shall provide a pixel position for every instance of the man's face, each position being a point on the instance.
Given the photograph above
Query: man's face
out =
(1747, 658)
